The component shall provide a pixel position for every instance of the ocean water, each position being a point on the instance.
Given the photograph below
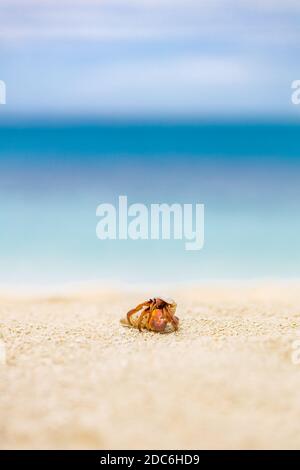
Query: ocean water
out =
(53, 176)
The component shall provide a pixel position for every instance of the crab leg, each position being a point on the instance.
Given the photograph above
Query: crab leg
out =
(151, 310)
(144, 312)
(135, 310)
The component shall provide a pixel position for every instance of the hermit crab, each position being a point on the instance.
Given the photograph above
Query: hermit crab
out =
(157, 314)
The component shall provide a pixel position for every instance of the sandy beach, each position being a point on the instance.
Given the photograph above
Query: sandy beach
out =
(75, 378)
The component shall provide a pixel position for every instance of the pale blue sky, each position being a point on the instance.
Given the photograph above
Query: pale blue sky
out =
(149, 57)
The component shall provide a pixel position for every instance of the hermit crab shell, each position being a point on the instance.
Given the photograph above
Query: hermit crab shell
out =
(170, 302)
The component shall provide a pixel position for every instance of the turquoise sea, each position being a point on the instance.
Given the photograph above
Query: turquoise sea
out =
(53, 176)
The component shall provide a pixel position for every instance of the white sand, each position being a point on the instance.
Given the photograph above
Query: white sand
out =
(74, 378)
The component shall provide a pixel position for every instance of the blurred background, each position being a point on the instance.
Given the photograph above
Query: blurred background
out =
(163, 101)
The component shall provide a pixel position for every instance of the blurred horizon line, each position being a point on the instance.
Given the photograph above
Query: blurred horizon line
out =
(40, 120)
